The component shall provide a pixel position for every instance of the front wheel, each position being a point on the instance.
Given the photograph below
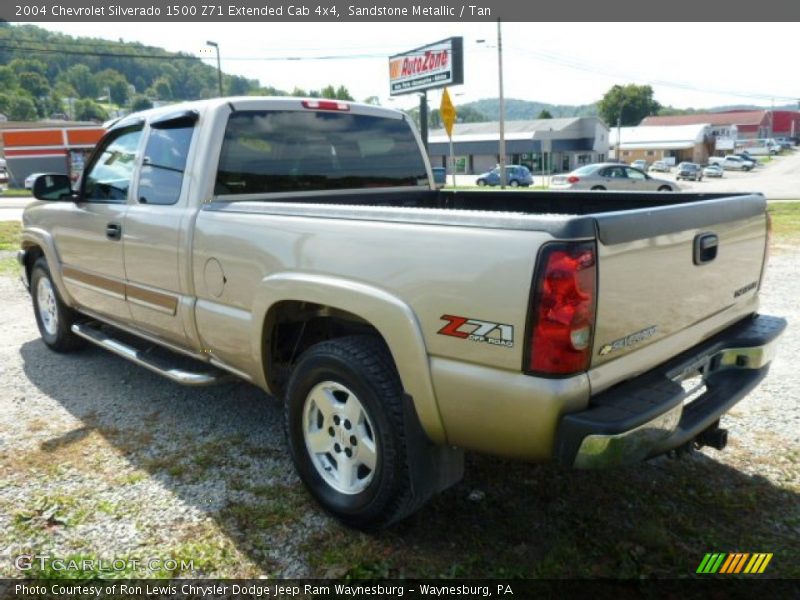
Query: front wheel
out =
(53, 318)
(481, 182)
(665, 188)
(344, 421)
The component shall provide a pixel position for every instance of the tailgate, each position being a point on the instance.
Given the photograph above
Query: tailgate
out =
(660, 278)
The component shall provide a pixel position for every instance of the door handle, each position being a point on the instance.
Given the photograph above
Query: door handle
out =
(705, 248)
(114, 231)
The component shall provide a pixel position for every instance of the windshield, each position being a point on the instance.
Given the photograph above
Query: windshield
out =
(299, 151)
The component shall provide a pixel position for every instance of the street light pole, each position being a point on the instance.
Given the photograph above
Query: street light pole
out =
(619, 130)
(219, 66)
(502, 107)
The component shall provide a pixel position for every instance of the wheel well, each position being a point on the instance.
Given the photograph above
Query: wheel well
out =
(291, 327)
(32, 254)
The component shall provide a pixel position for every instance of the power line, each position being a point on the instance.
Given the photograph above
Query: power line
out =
(572, 63)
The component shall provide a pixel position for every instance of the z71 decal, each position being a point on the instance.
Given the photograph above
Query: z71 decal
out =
(475, 330)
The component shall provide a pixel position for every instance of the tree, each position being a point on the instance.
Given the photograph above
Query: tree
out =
(21, 108)
(81, 78)
(162, 89)
(34, 83)
(114, 83)
(630, 103)
(544, 114)
(89, 110)
(328, 92)
(140, 103)
(343, 94)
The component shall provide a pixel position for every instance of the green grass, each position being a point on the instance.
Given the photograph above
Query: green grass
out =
(15, 193)
(10, 232)
(785, 221)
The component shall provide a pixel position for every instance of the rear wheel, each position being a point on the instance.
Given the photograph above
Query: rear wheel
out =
(344, 420)
(598, 188)
(53, 318)
(513, 183)
(665, 188)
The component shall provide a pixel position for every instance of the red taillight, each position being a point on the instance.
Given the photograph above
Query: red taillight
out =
(573, 179)
(325, 105)
(563, 309)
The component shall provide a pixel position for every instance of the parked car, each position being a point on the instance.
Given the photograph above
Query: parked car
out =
(732, 162)
(748, 157)
(713, 171)
(640, 164)
(610, 176)
(516, 175)
(660, 166)
(784, 143)
(689, 170)
(30, 179)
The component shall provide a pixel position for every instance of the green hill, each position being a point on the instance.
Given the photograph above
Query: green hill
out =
(43, 73)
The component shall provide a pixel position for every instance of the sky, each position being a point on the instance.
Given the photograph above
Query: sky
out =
(687, 64)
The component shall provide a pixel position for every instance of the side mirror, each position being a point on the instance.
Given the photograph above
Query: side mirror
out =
(53, 187)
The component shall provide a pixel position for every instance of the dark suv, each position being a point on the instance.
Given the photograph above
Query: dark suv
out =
(688, 170)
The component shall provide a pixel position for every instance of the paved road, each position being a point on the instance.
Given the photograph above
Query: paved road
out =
(777, 180)
(11, 208)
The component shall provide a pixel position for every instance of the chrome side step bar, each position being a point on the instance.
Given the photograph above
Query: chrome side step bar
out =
(92, 332)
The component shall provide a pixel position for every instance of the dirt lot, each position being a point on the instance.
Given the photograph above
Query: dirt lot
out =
(101, 459)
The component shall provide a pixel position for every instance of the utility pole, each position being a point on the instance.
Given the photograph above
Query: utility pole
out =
(423, 118)
(619, 130)
(219, 66)
(502, 107)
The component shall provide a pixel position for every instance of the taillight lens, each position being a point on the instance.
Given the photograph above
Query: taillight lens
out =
(563, 309)
(573, 179)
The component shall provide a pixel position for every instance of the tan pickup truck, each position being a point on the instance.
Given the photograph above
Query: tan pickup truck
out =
(301, 245)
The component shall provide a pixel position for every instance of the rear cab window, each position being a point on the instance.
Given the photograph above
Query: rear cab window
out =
(164, 161)
(305, 150)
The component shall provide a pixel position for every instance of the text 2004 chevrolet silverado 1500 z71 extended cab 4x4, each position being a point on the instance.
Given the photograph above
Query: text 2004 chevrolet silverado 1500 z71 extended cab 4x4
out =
(302, 246)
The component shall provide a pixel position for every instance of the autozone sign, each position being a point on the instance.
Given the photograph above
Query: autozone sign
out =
(433, 66)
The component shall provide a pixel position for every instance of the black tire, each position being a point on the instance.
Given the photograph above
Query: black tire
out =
(481, 182)
(513, 183)
(665, 188)
(55, 324)
(598, 188)
(363, 366)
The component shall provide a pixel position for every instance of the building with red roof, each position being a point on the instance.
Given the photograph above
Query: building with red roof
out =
(748, 123)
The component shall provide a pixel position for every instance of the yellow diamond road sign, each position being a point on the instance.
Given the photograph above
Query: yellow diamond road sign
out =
(448, 113)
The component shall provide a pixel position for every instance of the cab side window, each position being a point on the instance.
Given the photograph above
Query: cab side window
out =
(109, 176)
(164, 163)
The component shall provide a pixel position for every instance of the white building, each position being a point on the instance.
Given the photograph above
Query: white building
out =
(676, 143)
(551, 145)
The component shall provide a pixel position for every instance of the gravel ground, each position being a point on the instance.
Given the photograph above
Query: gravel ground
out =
(100, 458)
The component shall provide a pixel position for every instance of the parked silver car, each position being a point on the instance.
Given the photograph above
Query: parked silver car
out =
(610, 176)
(713, 171)
(660, 166)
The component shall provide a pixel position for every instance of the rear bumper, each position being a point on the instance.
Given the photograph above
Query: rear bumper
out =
(648, 415)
